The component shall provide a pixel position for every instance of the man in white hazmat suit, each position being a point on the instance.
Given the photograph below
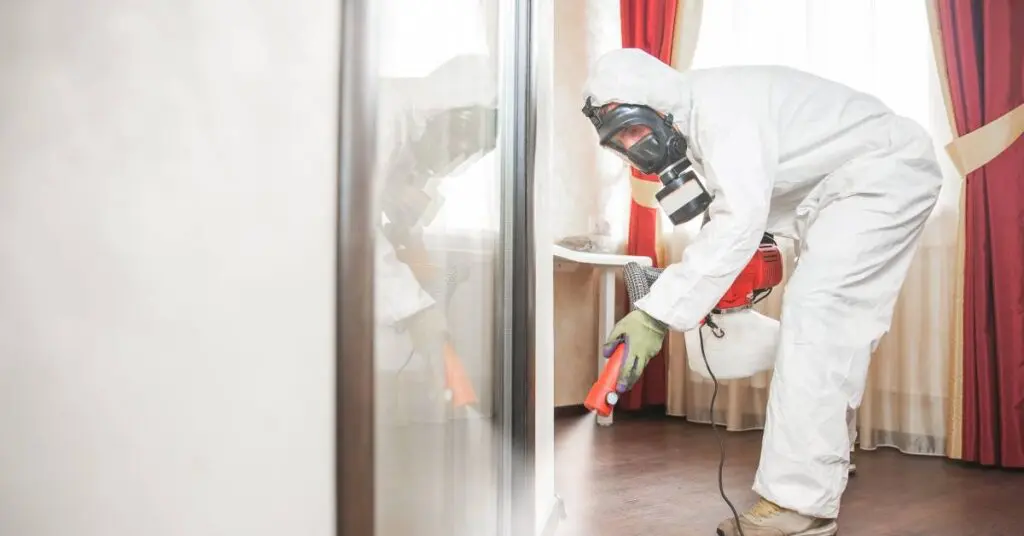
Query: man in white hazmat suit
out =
(789, 153)
(428, 103)
(429, 128)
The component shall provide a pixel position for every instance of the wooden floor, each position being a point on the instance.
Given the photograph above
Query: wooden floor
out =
(656, 476)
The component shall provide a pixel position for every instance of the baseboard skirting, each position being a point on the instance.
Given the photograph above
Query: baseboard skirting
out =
(577, 410)
(574, 410)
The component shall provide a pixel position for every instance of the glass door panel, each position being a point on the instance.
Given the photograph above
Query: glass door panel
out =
(438, 182)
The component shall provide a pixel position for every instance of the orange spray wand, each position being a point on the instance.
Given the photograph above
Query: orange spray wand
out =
(456, 380)
(603, 396)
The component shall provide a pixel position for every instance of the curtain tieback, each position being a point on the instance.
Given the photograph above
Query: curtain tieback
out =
(643, 192)
(977, 148)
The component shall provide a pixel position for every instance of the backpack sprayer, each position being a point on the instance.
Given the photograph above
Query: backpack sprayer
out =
(762, 273)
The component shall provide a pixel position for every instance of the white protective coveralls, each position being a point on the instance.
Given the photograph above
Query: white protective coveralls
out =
(802, 157)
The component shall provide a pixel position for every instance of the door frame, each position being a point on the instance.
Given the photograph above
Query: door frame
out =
(516, 385)
(354, 319)
(514, 356)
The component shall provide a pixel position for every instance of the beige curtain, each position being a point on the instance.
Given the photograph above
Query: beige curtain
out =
(907, 403)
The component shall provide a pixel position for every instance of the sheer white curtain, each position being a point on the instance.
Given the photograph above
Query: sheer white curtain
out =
(883, 48)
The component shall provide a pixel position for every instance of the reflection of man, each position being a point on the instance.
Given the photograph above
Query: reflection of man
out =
(429, 128)
(790, 153)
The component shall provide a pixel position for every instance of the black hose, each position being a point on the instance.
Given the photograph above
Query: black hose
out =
(718, 435)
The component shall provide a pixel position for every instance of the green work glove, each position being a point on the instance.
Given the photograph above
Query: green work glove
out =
(643, 336)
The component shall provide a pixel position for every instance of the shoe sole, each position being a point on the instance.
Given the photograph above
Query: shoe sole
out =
(828, 530)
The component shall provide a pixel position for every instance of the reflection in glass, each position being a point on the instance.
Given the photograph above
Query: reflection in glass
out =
(437, 183)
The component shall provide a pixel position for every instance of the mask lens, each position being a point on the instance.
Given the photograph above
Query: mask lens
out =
(627, 141)
(630, 136)
(638, 146)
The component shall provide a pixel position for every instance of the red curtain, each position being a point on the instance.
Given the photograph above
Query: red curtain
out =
(648, 25)
(984, 48)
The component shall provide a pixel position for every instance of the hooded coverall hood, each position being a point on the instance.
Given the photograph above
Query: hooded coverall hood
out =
(632, 76)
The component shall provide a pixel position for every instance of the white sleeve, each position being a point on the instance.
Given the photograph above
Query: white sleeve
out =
(739, 162)
(398, 294)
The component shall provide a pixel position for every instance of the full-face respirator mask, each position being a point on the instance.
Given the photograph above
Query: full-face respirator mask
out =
(650, 143)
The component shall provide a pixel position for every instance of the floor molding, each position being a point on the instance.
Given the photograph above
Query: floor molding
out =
(570, 411)
(577, 410)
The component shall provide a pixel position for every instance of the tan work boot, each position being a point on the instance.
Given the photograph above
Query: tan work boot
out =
(768, 519)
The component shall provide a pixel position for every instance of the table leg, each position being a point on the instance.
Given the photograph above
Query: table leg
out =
(605, 323)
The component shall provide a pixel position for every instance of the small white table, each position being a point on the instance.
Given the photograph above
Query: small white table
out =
(607, 264)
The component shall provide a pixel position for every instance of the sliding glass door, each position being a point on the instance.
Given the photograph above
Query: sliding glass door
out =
(434, 415)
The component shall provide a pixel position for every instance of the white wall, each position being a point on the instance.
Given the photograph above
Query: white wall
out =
(166, 256)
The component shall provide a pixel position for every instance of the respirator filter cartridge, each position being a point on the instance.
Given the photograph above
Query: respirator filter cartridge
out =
(683, 198)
